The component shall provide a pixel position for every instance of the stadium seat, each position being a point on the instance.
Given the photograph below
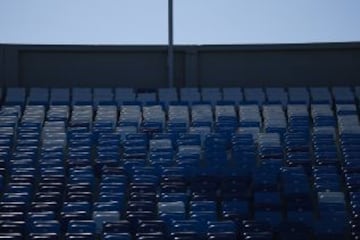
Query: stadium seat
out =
(15, 96)
(298, 95)
(254, 95)
(233, 95)
(277, 96)
(208, 163)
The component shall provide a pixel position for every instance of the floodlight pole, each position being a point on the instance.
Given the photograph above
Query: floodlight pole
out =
(170, 45)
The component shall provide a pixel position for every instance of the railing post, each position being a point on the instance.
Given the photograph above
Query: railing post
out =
(170, 45)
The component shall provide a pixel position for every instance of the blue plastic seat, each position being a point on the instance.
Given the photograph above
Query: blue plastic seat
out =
(250, 117)
(116, 236)
(185, 236)
(80, 236)
(343, 95)
(151, 226)
(329, 229)
(85, 226)
(222, 236)
(171, 207)
(52, 226)
(298, 95)
(38, 96)
(268, 201)
(150, 236)
(235, 210)
(135, 217)
(276, 95)
(167, 95)
(59, 96)
(51, 236)
(121, 226)
(190, 95)
(203, 216)
(104, 216)
(290, 230)
(76, 206)
(82, 96)
(331, 204)
(188, 226)
(233, 94)
(212, 95)
(320, 95)
(137, 206)
(254, 229)
(268, 207)
(264, 180)
(124, 94)
(103, 96)
(15, 96)
(203, 206)
(174, 197)
(254, 95)
(146, 97)
(13, 227)
(222, 227)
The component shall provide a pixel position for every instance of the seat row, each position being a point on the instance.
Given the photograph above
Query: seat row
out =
(96, 96)
(199, 172)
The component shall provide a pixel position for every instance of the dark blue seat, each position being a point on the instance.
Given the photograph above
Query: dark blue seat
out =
(109, 205)
(15, 96)
(104, 216)
(233, 94)
(84, 226)
(51, 236)
(174, 197)
(256, 230)
(116, 236)
(103, 96)
(291, 230)
(151, 226)
(329, 229)
(298, 95)
(80, 236)
(82, 96)
(343, 95)
(190, 95)
(320, 95)
(235, 210)
(34, 216)
(38, 96)
(167, 95)
(135, 217)
(222, 236)
(46, 226)
(203, 216)
(13, 227)
(276, 95)
(150, 236)
(59, 96)
(119, 226)
(185, 236)
(76, 206)
(254, 95)
(200, 206)
(183, 226)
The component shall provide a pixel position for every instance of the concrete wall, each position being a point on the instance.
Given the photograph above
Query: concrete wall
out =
(206, 66)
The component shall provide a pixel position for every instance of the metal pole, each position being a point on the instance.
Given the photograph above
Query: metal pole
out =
(170, 45)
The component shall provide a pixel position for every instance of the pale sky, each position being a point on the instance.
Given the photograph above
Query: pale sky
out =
(196, 21)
